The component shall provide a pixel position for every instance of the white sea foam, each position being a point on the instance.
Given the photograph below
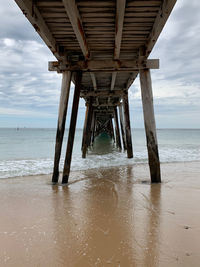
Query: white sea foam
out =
(32, 153)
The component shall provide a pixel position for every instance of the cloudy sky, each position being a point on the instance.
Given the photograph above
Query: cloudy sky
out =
(29, 94)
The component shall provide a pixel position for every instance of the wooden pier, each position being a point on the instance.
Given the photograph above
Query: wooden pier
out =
(101, 46)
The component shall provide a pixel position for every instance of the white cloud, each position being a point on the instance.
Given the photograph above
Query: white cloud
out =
(28, 87)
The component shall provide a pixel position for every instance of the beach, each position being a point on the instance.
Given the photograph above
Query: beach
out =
(104, 217)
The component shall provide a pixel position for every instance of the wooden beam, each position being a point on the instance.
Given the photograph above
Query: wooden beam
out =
(127, 126)
(64, 97)
(114, 75)
(94, 82)
(105, 65)
(131, 79)
(161, 19)
(68, 156)
(76, 22)
(107, 104)
(33, 15)
(119, 22)
(103, 93)
(150, 125)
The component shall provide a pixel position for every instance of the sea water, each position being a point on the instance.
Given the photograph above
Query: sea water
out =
(31, 151)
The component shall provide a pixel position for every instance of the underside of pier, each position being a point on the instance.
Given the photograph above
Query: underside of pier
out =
(101, 46)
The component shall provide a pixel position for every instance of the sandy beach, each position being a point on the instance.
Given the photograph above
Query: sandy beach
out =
(104, 217)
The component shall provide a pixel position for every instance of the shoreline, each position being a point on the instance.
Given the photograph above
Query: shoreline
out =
(103, 217)
(104, 167)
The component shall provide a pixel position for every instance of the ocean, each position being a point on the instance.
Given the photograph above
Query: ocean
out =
(31, 151)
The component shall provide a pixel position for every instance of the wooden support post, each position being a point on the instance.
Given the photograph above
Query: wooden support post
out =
(112, 129)
(118, 139)
(150, 125)
(64, 96)
(72, 128)
(122, 126)
(93, 128)
(84, 129)
(88, 129)
(127, 126)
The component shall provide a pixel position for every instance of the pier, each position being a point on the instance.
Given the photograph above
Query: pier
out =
(101, 46)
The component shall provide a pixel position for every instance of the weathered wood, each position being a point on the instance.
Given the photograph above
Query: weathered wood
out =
(103, 93)
(112, 129)
(84, 128)
(119, 20)
(105, 65)
(93, 127)
(127, 127)
(114, 75)
(118, 139)
(75, 19)
(107, 104)
(68, 156)
(122, 126)
(150, 125)
(64, 96)
(92, 75)
(88, 129)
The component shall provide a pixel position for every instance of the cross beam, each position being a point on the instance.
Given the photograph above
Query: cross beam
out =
(103, 93)
(105, 65)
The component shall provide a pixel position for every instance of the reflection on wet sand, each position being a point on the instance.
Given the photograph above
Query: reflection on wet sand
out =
(108, 217)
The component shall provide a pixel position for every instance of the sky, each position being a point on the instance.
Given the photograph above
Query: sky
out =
(29, 93)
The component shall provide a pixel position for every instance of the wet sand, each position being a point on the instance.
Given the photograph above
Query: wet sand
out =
(107, 217)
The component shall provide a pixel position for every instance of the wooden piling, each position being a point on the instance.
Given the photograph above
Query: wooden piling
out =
(88, 129)
(64, 96)
(84, 128)
(93, 128)
(72, 128)
(150, 125)
(118, 139)
(112, 129)
(127, 126)
(122, 126)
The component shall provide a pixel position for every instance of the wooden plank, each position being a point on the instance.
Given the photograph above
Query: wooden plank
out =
(105, 65)
(68, 156)
(33, 15)
(65, 89)
(149, 3)
(150, 125)
(127, 126)
(75, 19)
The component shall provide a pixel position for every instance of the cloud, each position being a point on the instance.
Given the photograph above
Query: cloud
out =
(27, 88)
